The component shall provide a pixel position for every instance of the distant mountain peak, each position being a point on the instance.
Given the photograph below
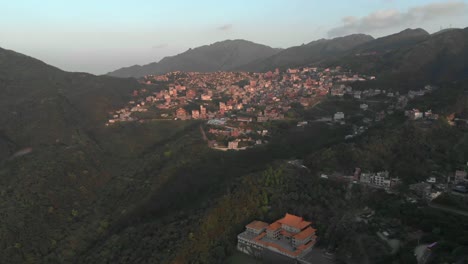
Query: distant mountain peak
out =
(444, 30)
(413, 32)
(222, 55)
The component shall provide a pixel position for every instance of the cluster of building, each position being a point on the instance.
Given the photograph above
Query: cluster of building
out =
(428, 190)
(397, 101)
(392, 100)
(343, 89)
(235, 134)
(416, 114)
(235, 104)
(290, 236)
(260, 96)
(380, 179)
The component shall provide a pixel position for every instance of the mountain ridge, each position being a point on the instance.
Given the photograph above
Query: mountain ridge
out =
(40, 99)
(422, 57)
(221, 55)
(308, 53)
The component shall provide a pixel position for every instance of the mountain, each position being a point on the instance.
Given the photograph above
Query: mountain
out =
(309, 53)
(220, 56)
(411, 55)
(443, 30)
(395, 41)
(44, 101)
(64, 175)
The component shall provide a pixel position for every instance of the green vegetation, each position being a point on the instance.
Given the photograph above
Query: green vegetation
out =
(452, 201)
(153, 192)
(408, 150)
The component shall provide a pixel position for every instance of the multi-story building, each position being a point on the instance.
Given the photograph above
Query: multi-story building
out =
(379, 179)
(382, 180)
(290, 236)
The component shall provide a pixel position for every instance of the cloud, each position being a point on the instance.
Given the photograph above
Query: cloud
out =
(225, 27)
(391, 18)
(160, 46)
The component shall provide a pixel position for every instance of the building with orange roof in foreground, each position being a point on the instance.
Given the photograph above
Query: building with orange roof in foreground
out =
(290, 236)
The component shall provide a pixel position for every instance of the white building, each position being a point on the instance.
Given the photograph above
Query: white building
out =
(431, 180)
(338, 116)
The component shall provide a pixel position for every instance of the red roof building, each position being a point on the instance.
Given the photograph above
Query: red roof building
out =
(181, 114)
(291, 236)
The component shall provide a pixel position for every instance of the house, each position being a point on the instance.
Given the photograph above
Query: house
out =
(460, 176)
(233, 144)
(382, 180)
(202, 112)
(338, 116)
(290, 236)
(302, 124)
(357, 94)
(365, 178)
(431, 180)
(181, 114)
(244, 119)
(363, 106)
(222, 106)
(206, 97)
(414, 114)
(195, 114)
(379, 179)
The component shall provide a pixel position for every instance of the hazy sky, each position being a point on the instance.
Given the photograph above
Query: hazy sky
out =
(98, 36)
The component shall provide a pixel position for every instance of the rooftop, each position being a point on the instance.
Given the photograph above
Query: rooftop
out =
(309, 231)
(257, 225)
(274, 226)
(294, 221)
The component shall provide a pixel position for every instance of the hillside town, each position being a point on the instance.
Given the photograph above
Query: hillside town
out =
(234, 104)
(238, 105)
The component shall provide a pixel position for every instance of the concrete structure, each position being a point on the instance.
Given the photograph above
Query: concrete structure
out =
(289, 236)
(233, 144)
(379, 179)
(338, 116)
(460, 176)
(431, 180)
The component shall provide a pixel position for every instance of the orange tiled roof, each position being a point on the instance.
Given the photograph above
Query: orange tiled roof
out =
(305, 233)
(306, 246)
(257, 225)
(294, 253)
(274, 226)
(294, 221)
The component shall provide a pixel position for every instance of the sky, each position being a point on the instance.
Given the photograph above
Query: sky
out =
(99, 36)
